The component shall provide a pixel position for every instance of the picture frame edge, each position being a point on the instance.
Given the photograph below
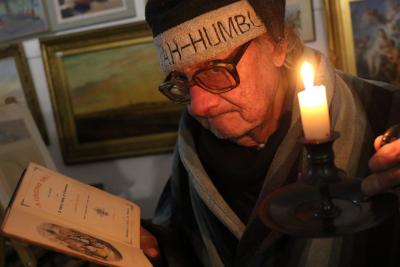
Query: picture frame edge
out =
(340, 38)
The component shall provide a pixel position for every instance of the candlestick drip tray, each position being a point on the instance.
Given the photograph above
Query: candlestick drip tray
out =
(295, 209)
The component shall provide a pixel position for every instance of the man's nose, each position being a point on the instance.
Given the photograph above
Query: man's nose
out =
(202, 101)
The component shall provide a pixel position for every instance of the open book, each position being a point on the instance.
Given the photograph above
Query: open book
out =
(74, 218)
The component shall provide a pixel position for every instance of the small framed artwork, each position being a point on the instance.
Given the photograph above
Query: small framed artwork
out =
(299, 14)
(21, 18)
(370, 47)
(16, 82)
(66, 14)
(104, 88)
(20, 143)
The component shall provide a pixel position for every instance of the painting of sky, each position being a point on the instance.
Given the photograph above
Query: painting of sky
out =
(113, 78)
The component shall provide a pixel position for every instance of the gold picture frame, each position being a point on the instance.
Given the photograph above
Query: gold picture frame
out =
(104, 90)
(340, 34)
(363, 38)
(16, 83)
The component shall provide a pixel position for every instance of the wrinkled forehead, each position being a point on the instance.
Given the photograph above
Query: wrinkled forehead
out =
(208, 36)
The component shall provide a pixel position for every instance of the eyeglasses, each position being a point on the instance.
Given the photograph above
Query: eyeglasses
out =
(219, 76)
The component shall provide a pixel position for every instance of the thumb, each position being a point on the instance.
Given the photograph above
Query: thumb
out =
(151, 253)
(149, 244)
(377, 142)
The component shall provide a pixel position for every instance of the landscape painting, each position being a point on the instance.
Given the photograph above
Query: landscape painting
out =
(376, 35)
(105, 94)
(21, 18)
(118, 96)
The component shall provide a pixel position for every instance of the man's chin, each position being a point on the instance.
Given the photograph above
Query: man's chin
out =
(226, 133)
(240, 139)
(246, 141)
(222, 135)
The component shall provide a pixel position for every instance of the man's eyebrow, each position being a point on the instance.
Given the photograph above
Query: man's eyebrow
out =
(228, 55)
(194, 68)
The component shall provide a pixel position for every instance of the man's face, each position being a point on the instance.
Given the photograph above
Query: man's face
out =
(248, 114)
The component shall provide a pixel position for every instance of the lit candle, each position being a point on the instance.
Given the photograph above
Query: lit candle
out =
(313, 107)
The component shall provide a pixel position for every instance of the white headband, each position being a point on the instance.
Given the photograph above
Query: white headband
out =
(208, 35)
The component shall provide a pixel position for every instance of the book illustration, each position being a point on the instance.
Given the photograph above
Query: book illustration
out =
(80, 242)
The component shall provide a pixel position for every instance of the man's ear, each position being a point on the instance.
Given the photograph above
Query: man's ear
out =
(280, 52)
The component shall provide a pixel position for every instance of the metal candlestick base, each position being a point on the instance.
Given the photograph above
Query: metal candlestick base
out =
(325, 202)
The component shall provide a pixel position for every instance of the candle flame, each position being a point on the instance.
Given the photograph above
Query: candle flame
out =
(307, 73)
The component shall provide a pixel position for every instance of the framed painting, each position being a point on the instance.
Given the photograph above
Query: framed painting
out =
(370, 48)
(16, 83)
(104, 88)
(299, 14)
(21, 18)
(66, 14)
(20, 143)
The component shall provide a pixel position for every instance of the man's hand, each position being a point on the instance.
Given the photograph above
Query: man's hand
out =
(149, 245)
(385, 165)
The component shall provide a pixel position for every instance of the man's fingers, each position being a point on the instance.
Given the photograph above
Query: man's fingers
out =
(380, 182)
(149, 245)
(152, 253)
(386, 157)
(377, 142)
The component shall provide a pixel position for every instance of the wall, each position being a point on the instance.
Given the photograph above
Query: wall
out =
(140, 179)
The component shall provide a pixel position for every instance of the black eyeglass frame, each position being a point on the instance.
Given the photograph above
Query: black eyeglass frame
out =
(180, 80)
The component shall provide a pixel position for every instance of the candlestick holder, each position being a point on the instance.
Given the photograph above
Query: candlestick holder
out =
(324, 202)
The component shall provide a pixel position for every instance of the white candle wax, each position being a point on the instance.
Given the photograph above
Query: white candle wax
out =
(314, 113)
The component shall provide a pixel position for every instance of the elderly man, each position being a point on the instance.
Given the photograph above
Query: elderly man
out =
(236, 65)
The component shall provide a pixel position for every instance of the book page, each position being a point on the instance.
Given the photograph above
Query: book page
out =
(54, 233)
(50, 194)
(63, 214)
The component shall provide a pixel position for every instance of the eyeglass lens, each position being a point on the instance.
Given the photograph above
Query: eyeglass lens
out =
(216, 78)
